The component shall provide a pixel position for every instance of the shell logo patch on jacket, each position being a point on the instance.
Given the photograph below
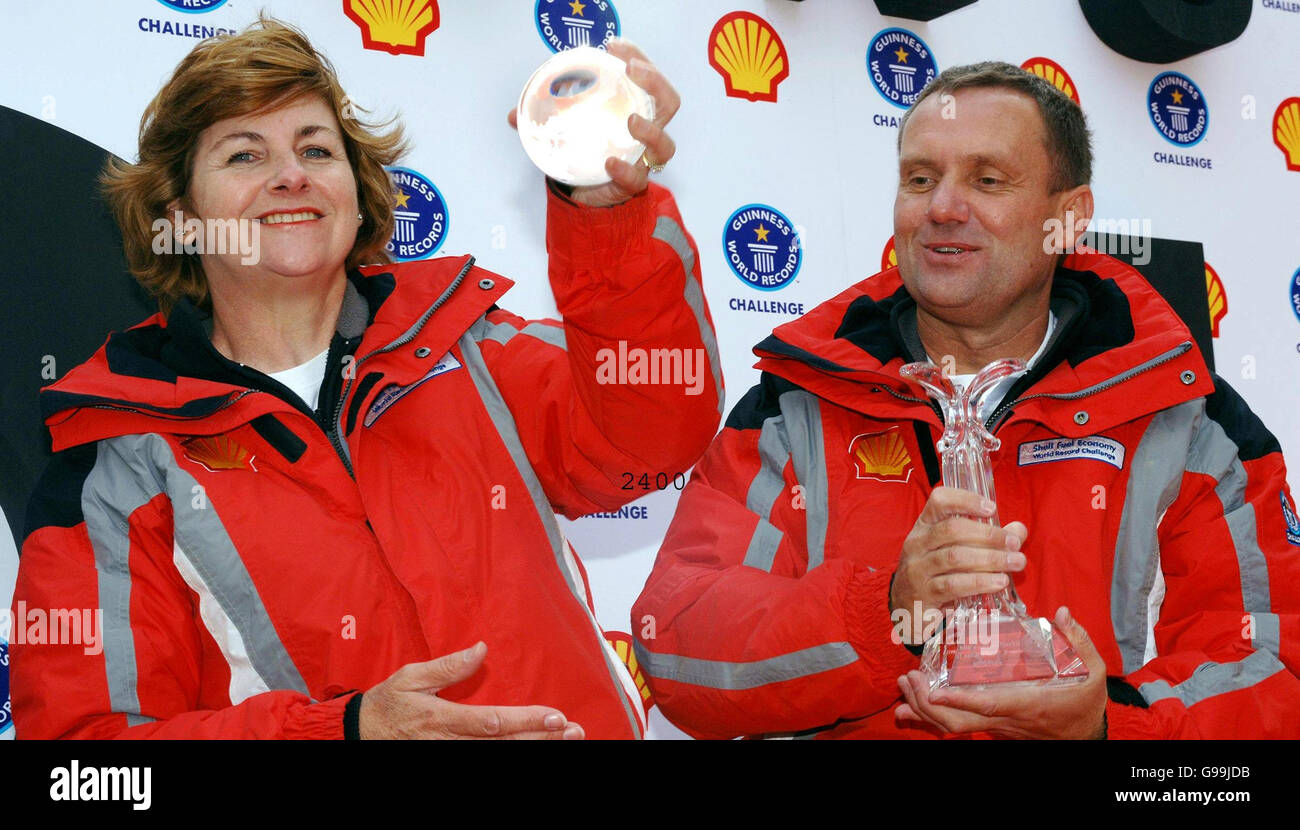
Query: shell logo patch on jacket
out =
(881, 456)
(218, 452)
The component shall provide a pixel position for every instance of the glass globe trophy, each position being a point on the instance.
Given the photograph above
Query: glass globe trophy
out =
(989, 639)
(573, 115)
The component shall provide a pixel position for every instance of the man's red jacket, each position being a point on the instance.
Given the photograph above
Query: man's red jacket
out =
(255, 562)
(1156, 504)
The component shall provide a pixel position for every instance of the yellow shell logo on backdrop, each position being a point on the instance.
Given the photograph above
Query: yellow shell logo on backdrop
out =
(1286, 131)
(622, 644)
(395, 26)
(1217, 297)
(749, 55)
(881, 456)
(889, 256)
(218, 452)
(1052, 72)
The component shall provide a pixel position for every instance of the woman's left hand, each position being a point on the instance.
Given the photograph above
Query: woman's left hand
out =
(628, 180)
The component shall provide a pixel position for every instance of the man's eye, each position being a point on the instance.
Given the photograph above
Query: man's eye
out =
(919, 181)
(989, 181)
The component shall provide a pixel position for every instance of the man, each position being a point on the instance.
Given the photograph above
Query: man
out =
(815, 520)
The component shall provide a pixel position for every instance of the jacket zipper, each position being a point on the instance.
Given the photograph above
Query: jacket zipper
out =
(230, 401)
(930, 402)
(336, 419)
(1177, 351)
(990, 424)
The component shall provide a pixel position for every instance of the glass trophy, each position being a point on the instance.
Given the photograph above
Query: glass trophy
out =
(989, 639)
(573, 115)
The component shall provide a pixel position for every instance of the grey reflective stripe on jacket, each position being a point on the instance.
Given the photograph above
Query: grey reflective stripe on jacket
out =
(129, 472)
(503, 333)
(1184, 439)
(667, 230)
(1211, 678)
(793, 436)
(738, 675)
(504, 422)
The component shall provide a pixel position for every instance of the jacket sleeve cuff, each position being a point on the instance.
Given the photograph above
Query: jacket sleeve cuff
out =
(870, 628)
(319, 721)
(352, 718)
(1131, 723)
(595, 238)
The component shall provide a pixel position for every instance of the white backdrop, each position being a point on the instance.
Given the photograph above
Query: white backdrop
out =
(822, 154)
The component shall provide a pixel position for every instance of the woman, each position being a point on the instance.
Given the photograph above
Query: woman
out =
(305, 478)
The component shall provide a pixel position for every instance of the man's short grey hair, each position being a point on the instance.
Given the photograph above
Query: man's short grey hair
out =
(1069, 144)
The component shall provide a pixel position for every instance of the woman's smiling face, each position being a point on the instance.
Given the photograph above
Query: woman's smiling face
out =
(285, 169)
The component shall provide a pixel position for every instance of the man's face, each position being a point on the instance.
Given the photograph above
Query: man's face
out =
(973, 197)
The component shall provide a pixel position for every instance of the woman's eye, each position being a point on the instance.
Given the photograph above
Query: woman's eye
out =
(242, 155)
(317, 153)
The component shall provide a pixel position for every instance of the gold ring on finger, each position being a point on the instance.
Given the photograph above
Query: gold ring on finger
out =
(652, 167)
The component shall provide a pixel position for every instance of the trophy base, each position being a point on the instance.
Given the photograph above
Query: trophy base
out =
(994, 648)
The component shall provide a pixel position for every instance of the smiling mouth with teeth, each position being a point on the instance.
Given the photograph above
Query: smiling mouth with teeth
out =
(950, 250)
(282, 218)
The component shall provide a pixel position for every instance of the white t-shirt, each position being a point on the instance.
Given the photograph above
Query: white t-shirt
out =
(305, 379)
(997, 393)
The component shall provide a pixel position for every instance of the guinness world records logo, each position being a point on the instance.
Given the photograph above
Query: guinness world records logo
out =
(900, 66)
(193, 6)
(566, 24)
(420, 215)
(1295, 293)
(1178, 109)
(762, 247)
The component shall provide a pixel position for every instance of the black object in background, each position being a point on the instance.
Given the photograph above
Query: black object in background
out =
(1164, 31)
(920, 9)
(1177, 270)
(63, 286)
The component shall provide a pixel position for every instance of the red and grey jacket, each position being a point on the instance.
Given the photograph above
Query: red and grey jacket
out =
(254, 562)
(1156, 503)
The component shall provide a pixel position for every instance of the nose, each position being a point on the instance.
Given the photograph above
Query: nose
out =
(289, 175)
(948, 203)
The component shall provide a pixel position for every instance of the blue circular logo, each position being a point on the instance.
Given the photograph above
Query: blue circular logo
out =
(420, 215)
(762, 247)
(1295, 293)
(1292, 523)
(192, 6)
(1178, 109)
(900, 65)
(564, 24)
(6, 715)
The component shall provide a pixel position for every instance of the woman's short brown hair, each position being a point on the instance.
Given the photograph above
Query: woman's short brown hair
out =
(266, 66)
